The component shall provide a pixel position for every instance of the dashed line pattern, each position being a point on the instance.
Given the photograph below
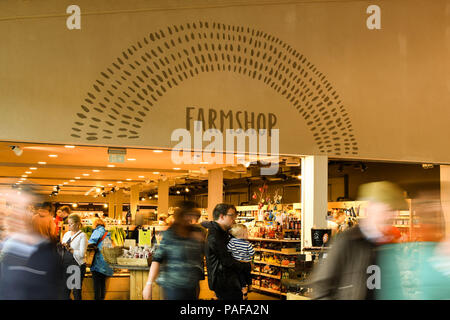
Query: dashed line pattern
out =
(126, 91)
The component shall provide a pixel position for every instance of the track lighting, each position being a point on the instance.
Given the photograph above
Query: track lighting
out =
(17, 150)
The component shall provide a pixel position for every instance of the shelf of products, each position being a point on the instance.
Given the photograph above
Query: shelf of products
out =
(277, 252)
(268, 290)
(266, 275)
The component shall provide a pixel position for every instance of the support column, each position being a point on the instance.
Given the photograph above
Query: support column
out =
(134, 200)
(112, 205)
(119, 204)
(314, 196)
(445, 196)
(215, 190)
(163, 197)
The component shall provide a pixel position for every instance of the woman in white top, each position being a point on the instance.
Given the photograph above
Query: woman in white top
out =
(75, 242)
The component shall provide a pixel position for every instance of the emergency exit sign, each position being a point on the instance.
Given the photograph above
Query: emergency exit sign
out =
(117, 155)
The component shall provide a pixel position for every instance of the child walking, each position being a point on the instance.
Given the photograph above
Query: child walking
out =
(243, 251)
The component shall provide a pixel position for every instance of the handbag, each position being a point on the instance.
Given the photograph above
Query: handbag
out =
(64, 252)
(93, 249)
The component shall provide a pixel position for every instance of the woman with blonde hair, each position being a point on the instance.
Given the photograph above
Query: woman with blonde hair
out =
(75, 242)
(100, 269)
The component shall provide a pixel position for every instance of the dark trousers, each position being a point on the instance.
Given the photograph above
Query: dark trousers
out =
(76, 292)
(229, 293)
(99, 280)
(245, 277)
(181, 293)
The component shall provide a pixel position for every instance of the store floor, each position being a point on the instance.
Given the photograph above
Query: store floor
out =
(260, 296)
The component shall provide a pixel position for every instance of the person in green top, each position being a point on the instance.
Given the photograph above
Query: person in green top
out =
(177, 264)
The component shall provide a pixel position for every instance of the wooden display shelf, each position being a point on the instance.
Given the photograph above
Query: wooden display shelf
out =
(268, 290)
(274, 240)
(266, 275)
(278, 252)
(315, 248)
(272, 264)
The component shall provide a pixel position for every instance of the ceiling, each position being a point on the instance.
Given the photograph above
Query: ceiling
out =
(78, 169)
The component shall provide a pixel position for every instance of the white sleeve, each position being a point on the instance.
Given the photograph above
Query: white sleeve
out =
(82, 245)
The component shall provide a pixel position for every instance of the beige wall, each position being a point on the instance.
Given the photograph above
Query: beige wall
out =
(391, 85)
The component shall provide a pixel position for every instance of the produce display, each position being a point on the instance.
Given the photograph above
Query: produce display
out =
(144, 252)
(87, 230)
(118, 236)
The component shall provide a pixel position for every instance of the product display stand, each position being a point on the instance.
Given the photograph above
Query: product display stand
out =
(138, 280)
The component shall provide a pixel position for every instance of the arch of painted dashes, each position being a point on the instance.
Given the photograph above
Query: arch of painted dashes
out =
(124, 93)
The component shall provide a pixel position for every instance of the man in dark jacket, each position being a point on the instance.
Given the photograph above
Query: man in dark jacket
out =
(223, 270)
(347, 271)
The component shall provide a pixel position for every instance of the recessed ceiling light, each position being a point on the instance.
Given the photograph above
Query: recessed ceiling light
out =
(131, 159)
(176, 168)
(128, 179)
(42, 162)
(69, 147)
(77, 178)
(86, 174)
(33, 168)
(141, 177)
(24, 176)
(53, 155)
(119, 181)
(98, 190)
(28, 172)
(95, 170)
(157, 151)
(156, 172)
(66, 183)
(72, 180)
(23, 179)
(110, 166)
(204, 162)
(109, 184)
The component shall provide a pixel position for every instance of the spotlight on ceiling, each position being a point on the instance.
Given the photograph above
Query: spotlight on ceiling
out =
(17, 150)
(363, 167)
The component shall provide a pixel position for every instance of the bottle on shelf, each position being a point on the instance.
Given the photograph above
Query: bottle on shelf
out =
(153, 241)
(128, 217)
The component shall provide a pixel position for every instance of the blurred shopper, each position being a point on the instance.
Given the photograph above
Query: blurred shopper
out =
(223, 270)
(337, 223)
(100, 269)
(43, 222)
(177, 264)
(418, 269)
(31, 267)
(345, 271)
(75, 244)
(61, 218)
(242, 250)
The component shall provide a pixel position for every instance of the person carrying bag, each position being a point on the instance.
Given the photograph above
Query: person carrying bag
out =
(72, 251)
(100, 269)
